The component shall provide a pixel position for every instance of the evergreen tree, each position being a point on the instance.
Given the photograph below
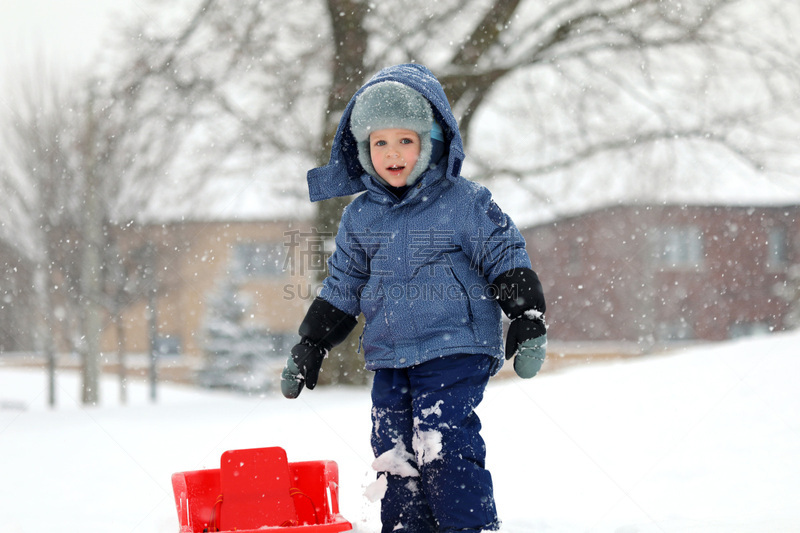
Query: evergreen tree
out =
(236, 352)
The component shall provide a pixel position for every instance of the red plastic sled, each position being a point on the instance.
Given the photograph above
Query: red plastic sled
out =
(258, 489)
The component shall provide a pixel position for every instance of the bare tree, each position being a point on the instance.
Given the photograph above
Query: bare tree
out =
(572, 80)
(83, 154)
(39, 189)
(563, 84)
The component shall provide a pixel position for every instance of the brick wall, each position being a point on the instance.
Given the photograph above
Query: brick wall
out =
(195, 259)
(657, 273)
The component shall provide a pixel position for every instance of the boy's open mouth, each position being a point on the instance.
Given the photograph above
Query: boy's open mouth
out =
(395, 168)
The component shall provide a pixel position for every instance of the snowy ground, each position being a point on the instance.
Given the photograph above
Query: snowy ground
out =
(706, 440)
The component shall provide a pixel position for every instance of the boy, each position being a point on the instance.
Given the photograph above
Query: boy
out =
(431, 261)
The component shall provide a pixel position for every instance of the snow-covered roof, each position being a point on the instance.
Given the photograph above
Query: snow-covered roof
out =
(261, 196)
(692, 179)
(241, 198)
(241, 192)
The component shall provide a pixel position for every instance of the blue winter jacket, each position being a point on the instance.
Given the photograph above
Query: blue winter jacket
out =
(419, 268)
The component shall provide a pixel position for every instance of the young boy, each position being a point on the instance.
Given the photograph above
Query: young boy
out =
(430, 260)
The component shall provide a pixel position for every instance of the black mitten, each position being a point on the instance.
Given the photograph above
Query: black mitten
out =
(521, 298)
(519, 290)
(324, 327)
(308, 359)
(523, 329)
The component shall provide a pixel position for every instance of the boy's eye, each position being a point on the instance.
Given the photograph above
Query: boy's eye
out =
(406, 141)
(380, 143)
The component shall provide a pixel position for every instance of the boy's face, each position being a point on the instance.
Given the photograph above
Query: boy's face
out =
(394, 152)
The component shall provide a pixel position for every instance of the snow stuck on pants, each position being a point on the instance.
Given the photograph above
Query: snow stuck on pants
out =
(427, 446)
(396, 462)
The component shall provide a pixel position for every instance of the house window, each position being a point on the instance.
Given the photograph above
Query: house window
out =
(574, 262)
(167, 345)
(263, 259)
(747, 329)
(681, 247)
(675, 330)
(777, 247)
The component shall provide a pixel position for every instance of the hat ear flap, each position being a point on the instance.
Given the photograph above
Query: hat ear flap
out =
(365, 158)
(424, 159)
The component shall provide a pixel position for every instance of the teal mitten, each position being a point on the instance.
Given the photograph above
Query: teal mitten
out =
(291, 381)
(530, 356)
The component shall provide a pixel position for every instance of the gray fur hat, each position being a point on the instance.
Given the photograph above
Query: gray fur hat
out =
(391, 104)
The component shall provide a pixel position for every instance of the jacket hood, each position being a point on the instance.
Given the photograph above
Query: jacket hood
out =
(342, 176)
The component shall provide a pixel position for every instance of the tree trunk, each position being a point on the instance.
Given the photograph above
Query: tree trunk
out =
(91, 266)
(45, 325)
(345, 364)
(92, 318)
(152, 323)
(122, 370)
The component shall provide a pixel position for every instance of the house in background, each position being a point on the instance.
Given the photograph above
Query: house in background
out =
(17, 301)
(239, 245)
(659, 273)
(641, 271)
(235, 259)
(263, 267)
(635, 272)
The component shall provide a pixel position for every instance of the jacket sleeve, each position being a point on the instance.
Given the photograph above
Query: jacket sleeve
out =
(491, 239)
(348, 270)
(519, 290)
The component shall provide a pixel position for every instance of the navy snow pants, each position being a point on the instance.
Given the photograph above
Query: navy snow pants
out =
(425, 435)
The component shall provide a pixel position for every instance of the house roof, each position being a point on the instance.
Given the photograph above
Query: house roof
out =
(540, 200)
(275, 193)
(689, 181)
